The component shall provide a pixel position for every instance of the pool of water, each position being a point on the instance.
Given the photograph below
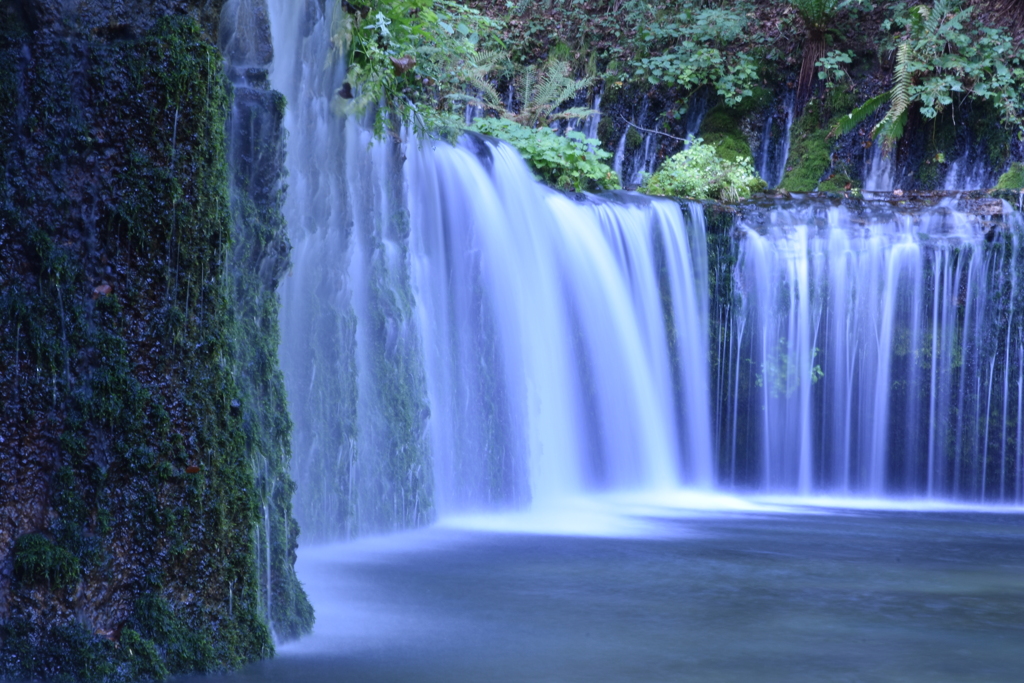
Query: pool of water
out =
(758, 593)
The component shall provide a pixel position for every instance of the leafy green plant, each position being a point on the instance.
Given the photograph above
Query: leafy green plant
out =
(689, 50)
(942, 53)
(540, 93)
(700, 173)
(832, 67)
(37, 560)
(570, 161)
(410, 57)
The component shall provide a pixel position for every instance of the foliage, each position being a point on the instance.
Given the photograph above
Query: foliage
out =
(580, 28)
(1013, 179)
(942, 53)
(38, 561)
(700, 173)
(413, 58)
(540, 93)
(832, 67)
(569, 161)
(690, 51)
(819, 14)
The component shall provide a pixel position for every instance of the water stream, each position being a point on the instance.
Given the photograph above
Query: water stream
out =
(773, 151)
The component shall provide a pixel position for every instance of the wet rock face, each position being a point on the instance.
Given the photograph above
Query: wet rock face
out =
(129, 505)
(119, 18)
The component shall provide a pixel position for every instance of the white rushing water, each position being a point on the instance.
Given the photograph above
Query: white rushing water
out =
(457, 337)
(556, 310)
(876, 353)
(880, 172)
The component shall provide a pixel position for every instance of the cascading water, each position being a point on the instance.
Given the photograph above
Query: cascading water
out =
(456, 336)
(349, 349)
(880, 172)
(565, 339)
(637, 154)
(773, 152)
(874, 352)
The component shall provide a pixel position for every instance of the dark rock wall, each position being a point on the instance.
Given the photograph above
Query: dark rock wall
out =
(144, 497)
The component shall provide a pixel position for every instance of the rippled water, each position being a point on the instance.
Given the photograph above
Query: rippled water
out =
(758, 593)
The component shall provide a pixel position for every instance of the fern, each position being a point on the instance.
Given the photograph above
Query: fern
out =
(855, 117)
(541, 93)
(890, 128)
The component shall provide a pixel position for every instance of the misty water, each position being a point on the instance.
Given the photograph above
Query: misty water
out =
(765, 591)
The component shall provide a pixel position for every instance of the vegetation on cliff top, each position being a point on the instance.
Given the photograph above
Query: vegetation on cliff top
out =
(425, 61)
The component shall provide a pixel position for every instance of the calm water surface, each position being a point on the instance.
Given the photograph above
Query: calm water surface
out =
(812, 595)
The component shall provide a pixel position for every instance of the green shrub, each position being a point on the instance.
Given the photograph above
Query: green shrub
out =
(1013, 179)
(37, 560)
(700, 172)
(570, 161)
(416, 57)
(691, 50)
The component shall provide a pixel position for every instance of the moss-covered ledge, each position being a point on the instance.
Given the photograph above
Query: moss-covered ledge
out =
(132, 508)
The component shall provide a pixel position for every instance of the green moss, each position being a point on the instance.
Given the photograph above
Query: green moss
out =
(760, 98)
(721, 128)
(38, 561)
(118, 345)
(840, 100)
(809, 152)
(142, 655)
(634, 139)
(1013, 179)
(606, 132)
(987, 128)
(838, 182)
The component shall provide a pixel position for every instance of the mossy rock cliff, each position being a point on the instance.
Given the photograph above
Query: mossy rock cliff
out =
(143, 435)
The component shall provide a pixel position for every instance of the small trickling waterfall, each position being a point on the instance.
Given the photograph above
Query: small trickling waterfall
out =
(636, 153)
(874, 352)
(880, 171)
(773, 150)
(969, 172)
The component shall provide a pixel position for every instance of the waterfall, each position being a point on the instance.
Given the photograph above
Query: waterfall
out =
(456, 336)
(773, 151)
(350, 352)
(564, 339)
(873, 351)
(880, 174)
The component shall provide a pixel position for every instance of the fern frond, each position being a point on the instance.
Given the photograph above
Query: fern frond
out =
(855, 117)
(890, 128)
(541, 92)
(575, 113)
